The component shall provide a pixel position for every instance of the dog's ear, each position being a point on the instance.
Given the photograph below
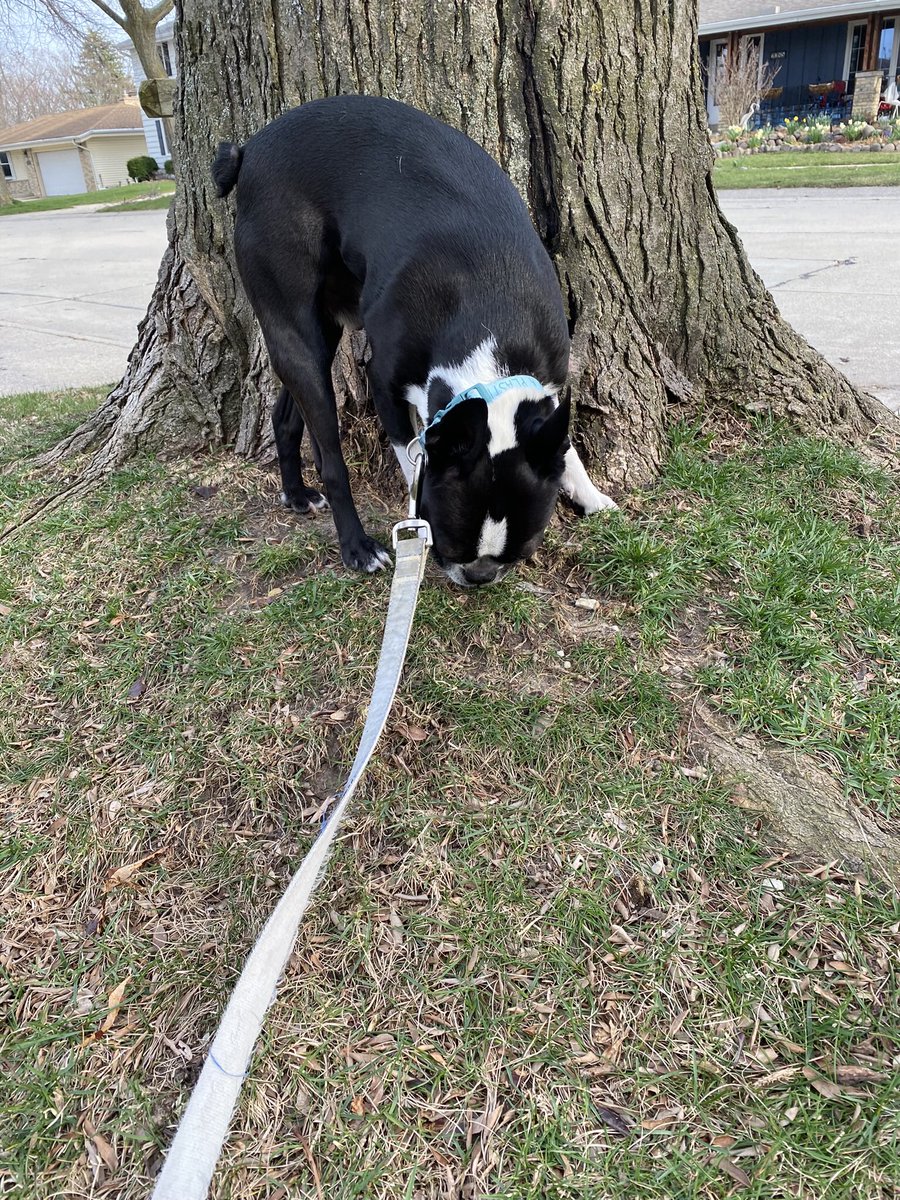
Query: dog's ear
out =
(459, 437)
(548, 442)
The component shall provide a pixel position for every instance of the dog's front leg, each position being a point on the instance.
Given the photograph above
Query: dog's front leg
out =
(577, 486)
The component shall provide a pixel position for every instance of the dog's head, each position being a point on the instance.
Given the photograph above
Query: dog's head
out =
(489, 492)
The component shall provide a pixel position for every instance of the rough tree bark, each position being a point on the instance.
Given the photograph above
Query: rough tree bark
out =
(595, 111)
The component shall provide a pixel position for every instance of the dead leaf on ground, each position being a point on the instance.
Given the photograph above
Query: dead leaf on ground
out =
(114, 1003)
(415, 733)
(825, 1087)
(137, 689)
(618, 1122)
(105, 1150)
(661, 1121)
(733, 1171)
(124, 876)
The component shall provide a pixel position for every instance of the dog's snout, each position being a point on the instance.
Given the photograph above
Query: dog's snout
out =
(484, 570)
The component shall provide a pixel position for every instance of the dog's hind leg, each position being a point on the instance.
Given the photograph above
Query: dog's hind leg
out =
(301, 349)
(576, 486)
(288, 425)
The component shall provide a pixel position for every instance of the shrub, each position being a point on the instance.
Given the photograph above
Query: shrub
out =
(741, 82)
(142, 168)
(169, 167)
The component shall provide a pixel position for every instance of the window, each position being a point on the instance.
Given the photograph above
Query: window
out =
(166, 57)
(856, 49)
(161, 137)
(887, 50)
(6, 165)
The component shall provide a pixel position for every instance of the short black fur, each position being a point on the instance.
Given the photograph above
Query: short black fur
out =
(361, 211)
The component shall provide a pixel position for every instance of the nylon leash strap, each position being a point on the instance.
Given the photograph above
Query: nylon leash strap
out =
(190, 1163)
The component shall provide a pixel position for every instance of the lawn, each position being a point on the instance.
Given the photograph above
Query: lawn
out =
(157, 202)
(551, 957)
(117, 199)
(802, 168)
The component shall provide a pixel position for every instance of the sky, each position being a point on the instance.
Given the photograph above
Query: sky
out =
(22, 24)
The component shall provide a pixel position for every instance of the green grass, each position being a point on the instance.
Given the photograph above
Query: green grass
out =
(786, 555)
(545, 962)
(133, 195)
(33, 421)
(809, 168)
(160, 202)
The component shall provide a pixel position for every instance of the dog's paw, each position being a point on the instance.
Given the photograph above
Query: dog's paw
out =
(365, 554)
(589, 502)
(304, 500)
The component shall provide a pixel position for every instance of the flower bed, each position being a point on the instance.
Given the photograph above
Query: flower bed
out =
(798, 133)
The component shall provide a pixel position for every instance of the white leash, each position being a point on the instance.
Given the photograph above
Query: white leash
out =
(188, 1169)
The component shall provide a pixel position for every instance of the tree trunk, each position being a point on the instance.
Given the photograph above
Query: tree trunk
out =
(141, 24)
(595, 111)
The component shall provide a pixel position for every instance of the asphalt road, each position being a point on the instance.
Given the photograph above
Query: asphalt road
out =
(73, 287)
(831, 259)
(75, 284)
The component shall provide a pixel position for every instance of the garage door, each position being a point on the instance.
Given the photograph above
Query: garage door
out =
(61, 173)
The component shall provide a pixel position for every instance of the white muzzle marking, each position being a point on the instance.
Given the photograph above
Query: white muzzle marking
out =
(492, 542)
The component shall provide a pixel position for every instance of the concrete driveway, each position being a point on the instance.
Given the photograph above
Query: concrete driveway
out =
(75, 284)
(831, 259)
(73, 287)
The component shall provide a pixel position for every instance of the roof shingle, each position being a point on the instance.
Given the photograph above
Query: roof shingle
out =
(125, 116)
(724, 12)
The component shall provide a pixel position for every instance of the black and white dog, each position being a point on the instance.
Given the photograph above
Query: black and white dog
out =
(359, 211)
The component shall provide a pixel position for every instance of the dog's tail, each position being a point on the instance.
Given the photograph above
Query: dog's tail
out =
(226, 167)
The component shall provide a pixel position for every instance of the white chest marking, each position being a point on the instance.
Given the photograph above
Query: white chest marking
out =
(492, 542)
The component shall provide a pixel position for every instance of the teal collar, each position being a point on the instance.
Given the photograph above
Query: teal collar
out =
(486, 392)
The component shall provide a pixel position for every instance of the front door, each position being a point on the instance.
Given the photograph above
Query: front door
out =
(718, 48)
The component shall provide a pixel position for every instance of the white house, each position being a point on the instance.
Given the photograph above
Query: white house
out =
(154, 132)
(67, 153)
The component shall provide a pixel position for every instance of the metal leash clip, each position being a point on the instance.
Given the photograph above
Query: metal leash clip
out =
(414, 525)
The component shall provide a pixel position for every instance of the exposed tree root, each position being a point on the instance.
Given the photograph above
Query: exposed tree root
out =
(802, 803)
(41, 508)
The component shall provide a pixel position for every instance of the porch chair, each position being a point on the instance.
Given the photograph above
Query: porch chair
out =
(890, 101)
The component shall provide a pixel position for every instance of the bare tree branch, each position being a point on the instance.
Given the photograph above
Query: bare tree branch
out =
(113, 16)
(160, 11)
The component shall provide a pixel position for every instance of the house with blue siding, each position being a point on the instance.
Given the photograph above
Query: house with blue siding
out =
(832, 58)
(154, 131)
